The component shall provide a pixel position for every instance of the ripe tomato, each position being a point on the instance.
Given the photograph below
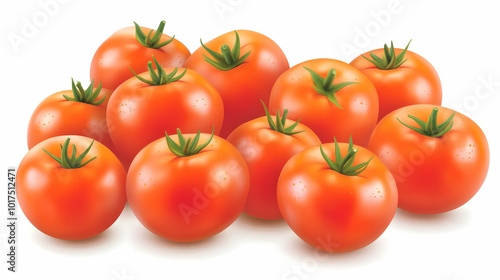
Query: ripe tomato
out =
(266, 146)
(184, 192)
(76, 198)
(337, 205)
(331, 97)
(409, 79)
(72, 112)
(130, 48)
(248, 76)
(437, 169)
(139, 113)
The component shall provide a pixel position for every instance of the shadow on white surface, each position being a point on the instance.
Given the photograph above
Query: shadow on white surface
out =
(437, 223)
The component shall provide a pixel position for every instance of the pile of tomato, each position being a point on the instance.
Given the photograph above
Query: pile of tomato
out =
(192, 140)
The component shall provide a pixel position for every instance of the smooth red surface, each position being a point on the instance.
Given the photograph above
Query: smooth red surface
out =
(244, 86)
(71, 203)
(433, 175)
(56, 116)
(294, 90)
(414, 82)
(266, 151)
(139, 113)
(188, 198)
(331, 211)
(121, 51)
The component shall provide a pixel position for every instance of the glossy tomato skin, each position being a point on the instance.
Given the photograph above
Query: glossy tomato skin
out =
(139, 113)
(56, 116)
(121, 51)
(244, 86)
(334, 212)
(294, 90)
(189, 198)
(433, 175)
(414, 82)
(266, 151)
(71, 204)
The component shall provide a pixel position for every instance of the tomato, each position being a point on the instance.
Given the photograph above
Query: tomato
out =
(247, 79)
(437, 169)
(409, 80)
(340, 204)
(183, 191)
(266, 146)
(72, 112)
(140, 112)
(129, 48)
(76, 198)
(331, 97)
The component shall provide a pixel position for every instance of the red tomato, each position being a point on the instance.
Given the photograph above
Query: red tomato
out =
(74, 200)
(187, 192)
(331, 97)
(266, 146)
(249, 78)
(337, 206)
(84, 115)
(139, 113)
(415, 81)
(434, 173)
(127, 49)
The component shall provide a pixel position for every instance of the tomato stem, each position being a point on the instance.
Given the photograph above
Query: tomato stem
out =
(431, 128)
(74, 162)
(229, 59)
(280, 123)
(88, 95)
(344, 165)
(160, 77)
(187, 147)
(389, 60)
(152, 40)
(326, 87)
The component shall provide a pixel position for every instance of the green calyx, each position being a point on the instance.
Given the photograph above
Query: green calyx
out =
(160, 77)
(72, 162)
(227, 59)
(325, 86)
(344, 165)
(88, 95)
(152, 40)
(279, 125)
(389, 60)
(187, 147)
(431, 128)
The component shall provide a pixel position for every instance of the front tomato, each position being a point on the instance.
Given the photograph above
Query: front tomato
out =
(185, 192)
(75, 196)
(337, 205)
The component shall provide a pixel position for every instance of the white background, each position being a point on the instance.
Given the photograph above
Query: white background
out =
(460, 40)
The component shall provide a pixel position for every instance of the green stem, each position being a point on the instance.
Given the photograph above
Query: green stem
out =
(187, 147)
(88, 95)
(160, 77)
(152, 40)
(344, 165)
(227, 59)
(74, 162)
(280, 123)
(328, 82)
(431, 128)
(389, 60)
